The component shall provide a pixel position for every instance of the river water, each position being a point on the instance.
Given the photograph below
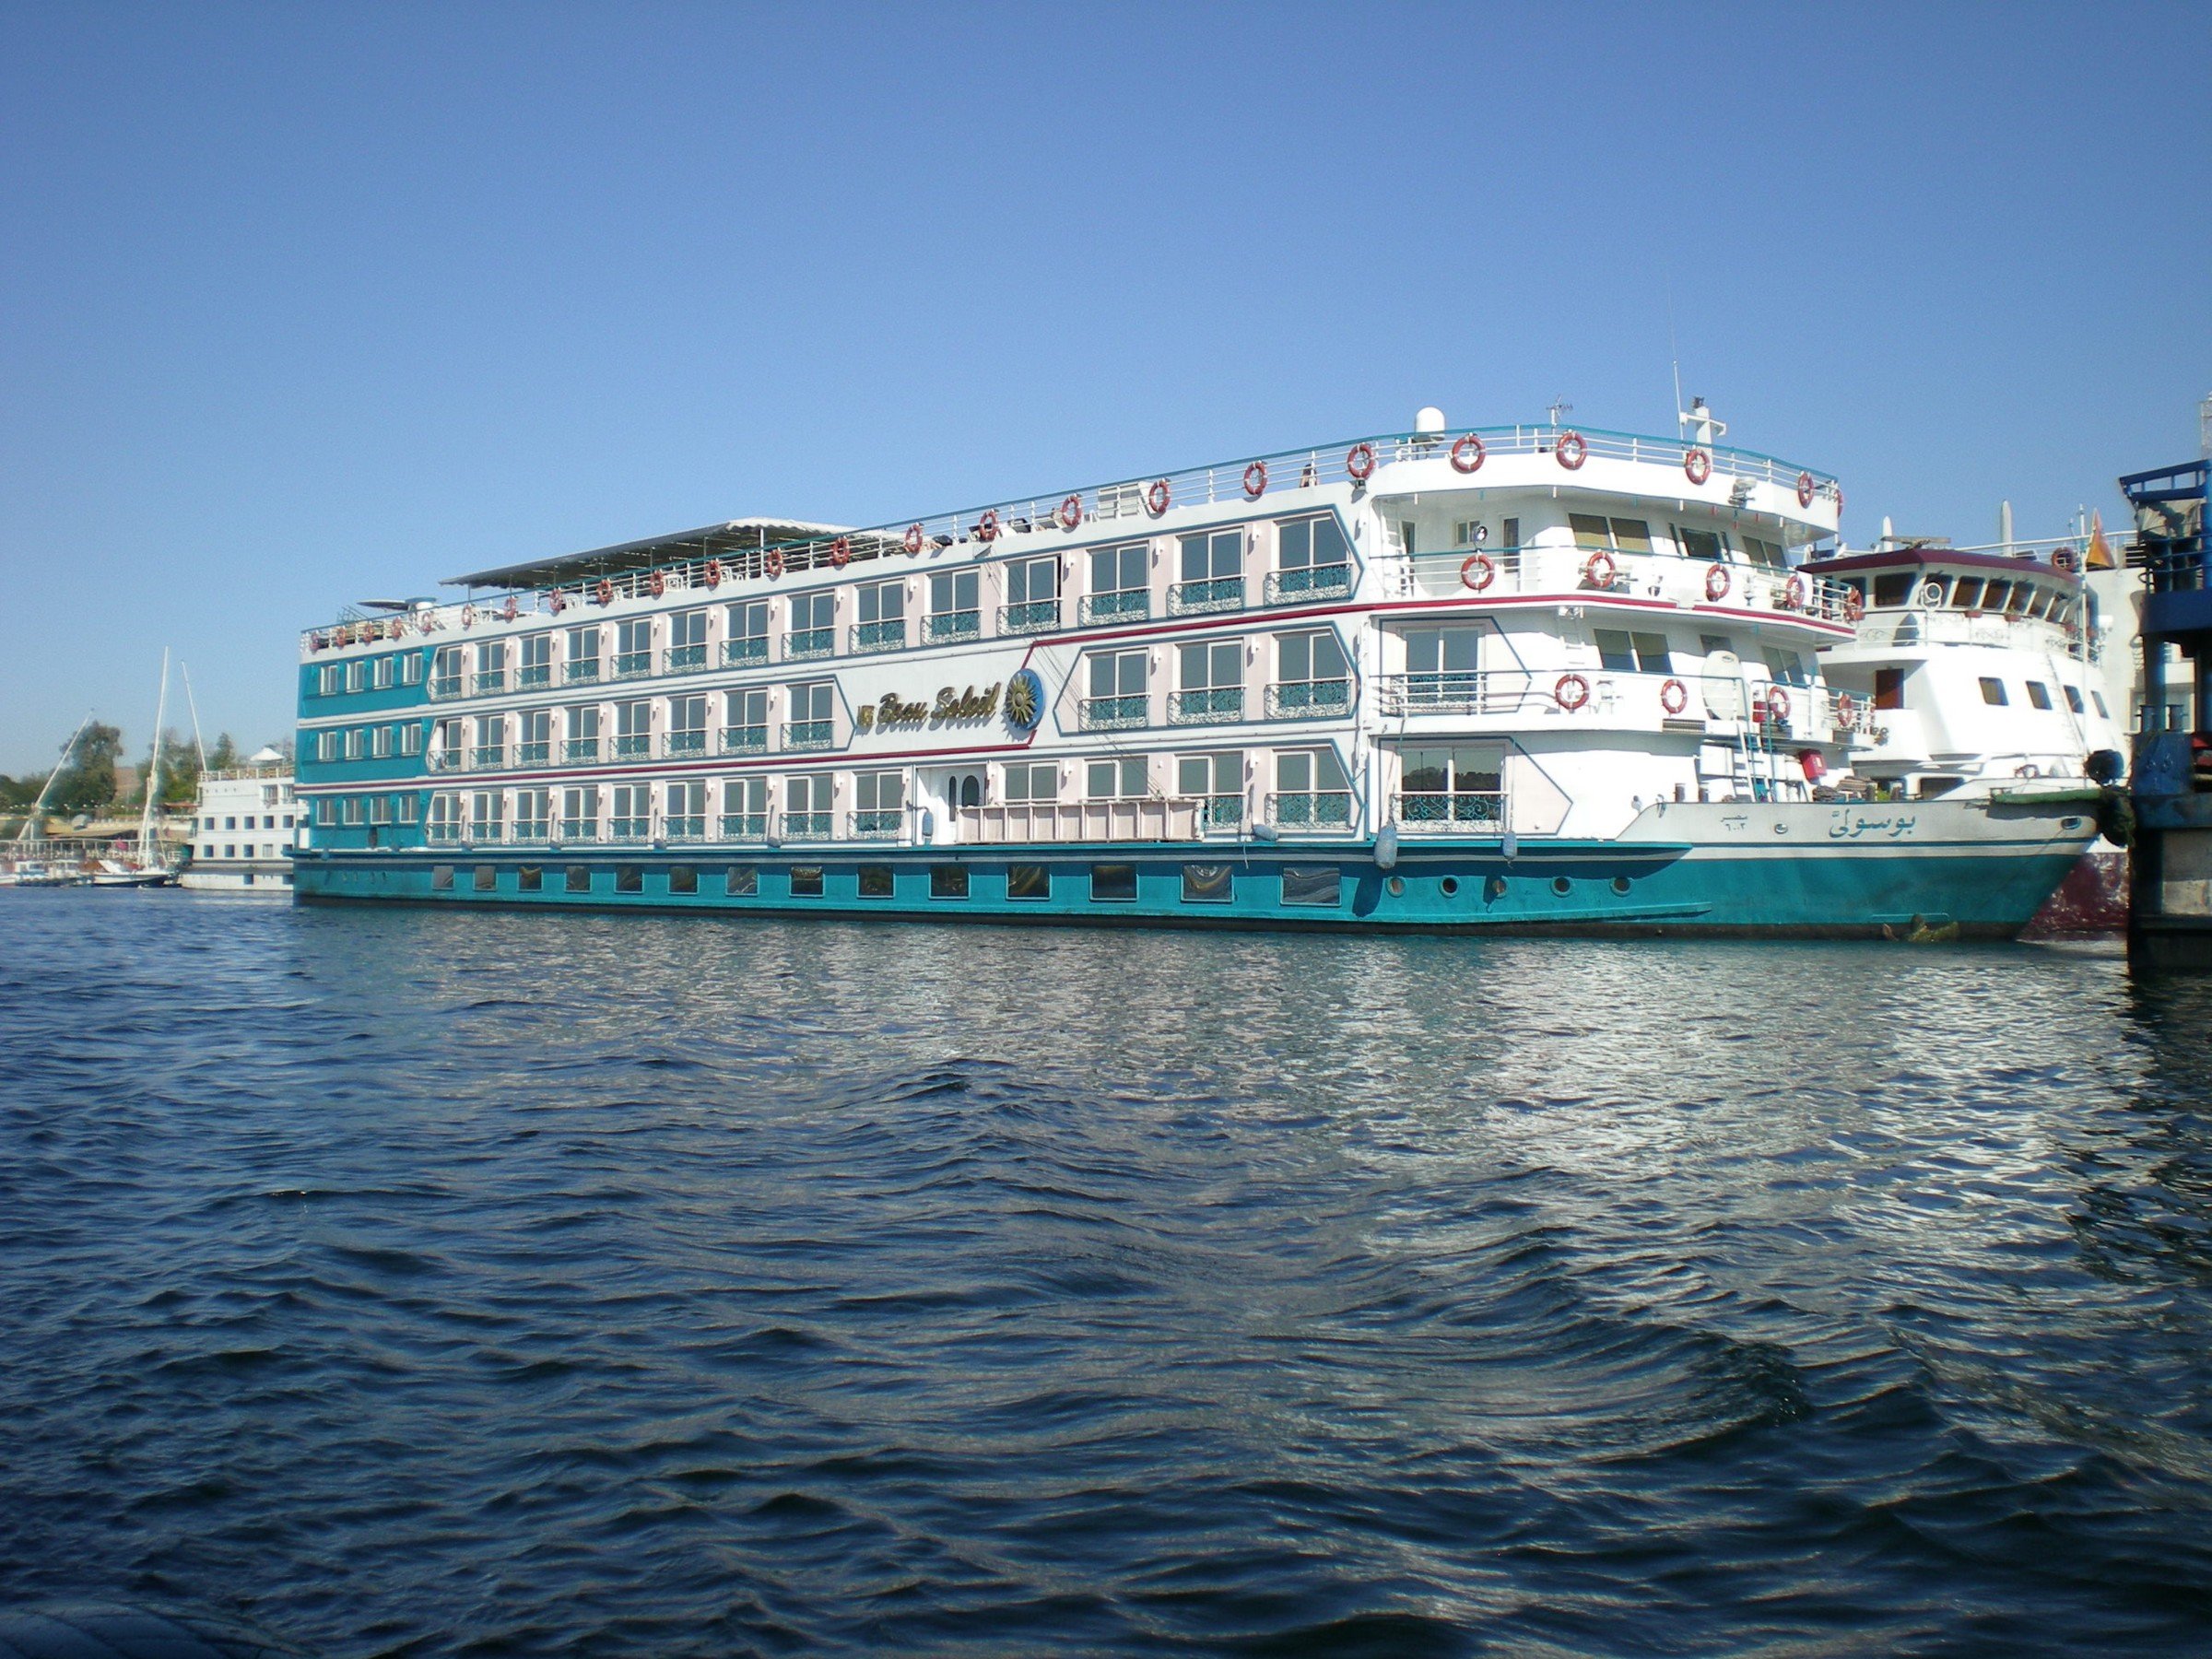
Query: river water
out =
(428, 1284)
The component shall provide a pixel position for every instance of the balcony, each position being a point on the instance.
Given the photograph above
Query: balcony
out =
(685, 659)
(1115, 714)
(1315, 581)
(446, 760)
(745, 740)
(633, 664)
(1319, 811)
(580, 750)
(582, 673)
(532, 754)
(489, 682)
(1308, 700)
(1032, 616)
(678, 745)
(488, 757)
(800, 736)
(882, 825)
(533, 677)
(745, 826)
(879, 636)
(485, 833)
(581, 829)
(1133, 604)
(945, 626)
(687, 828)
(738, 652)
(532, 831)
(1205, 708)
(1193, 598)
(801, 644)
(1461, 812)
(443, 835)
(806, 825)
(635, 746)
(1221, 811)
(628, 831)
(444, 686)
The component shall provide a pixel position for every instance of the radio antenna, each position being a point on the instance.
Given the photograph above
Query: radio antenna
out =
(1674, 352)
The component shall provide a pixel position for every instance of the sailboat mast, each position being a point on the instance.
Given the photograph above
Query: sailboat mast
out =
(153, 771)
(37, 818)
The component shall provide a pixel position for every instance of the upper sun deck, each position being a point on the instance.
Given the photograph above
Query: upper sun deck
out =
(1795, 504)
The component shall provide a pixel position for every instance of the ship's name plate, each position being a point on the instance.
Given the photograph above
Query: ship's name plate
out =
(895, 711)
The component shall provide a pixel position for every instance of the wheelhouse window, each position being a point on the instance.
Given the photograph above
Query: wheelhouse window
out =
(687, 641)
(1708, 545)
(1030, 780)
(807, 723)
(1764, 552)
(1786, 668)
(1311, 677)
(2073, 700)
(1119, 583)
(1212, 682)
(953, 599)
(1893, 588)
(1594, 533)
(812, 632)
(1218, 781)
(1212, 572)
(1311, 791)
(882, 617)
(1620, 653)
(1033, 596)
(747, 640)
(1966, 593)
(1119, 689)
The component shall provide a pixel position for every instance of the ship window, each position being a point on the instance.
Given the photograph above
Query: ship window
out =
(1966, 592)
(384, 674)
(1032, 581)
(1893, 587)
(876, 881)
(1764, 552)
(1303, 544)
(629, 878)
(442, 878)
(883, 601)
(1888, 687)
(1210, 556)
(948, 881)
(1509, 536)
(530, 879)
(1992, 692)
(1119, 570)
(683, 878)
(2022, 592)
(1032, 780)
(2073, 700)
(410, 808)
(333, 681)
(807, 881)
(1710, 643)
(1615, 654)
(1029, 881)
(1206, 884)
(487, 877)
(1995, 595)
(1652, 655)
(742, 881)
(1786, 668)
(2038, 694)
(1699, 544)
(1121, 778)
(1631, 535)
(1312, 883)
(1112, 881)
(410, 668)
(2097, 701)
(1590, 533)
(578, 878)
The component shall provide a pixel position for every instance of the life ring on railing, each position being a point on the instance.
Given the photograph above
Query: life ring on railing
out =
(509, 610)
(1571, 451)
(2028, 771)
(1793, 593)
(1804, 490)
(606, 591)
(1157, 497)
(1476, 571)
(2062, 558)
(1466, 453)
(395, 629)
(658, 583)
(986, 527)
(558, 600)
(1717, 583)
(468, 616)
(1255, 481)
(1697, 465)
(773, 563)
(840, 552)
(1071, 513)
(713, 572)
(1847, 711)
(1855, 608)
(1674, 695)
(315, 640)
(1600, 561)
(1571, 692)
(427, 621)
(1360, 462)
(1778, 704)
(913, 540)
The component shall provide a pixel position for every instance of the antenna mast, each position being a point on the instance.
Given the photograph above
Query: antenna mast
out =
(153, 771)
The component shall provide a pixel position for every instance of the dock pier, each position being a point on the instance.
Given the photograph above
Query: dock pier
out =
(2170, 917)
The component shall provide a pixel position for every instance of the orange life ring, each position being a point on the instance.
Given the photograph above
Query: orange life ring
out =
(507, 610)
(395, 629)
(840, 552)
(773, 563)
(1360, 462)
(1255, 481)
(1157, 497)
(986, 527)
(468, 618)
(713, 572)
(1716, 583)
(1674, 695)
(1571, 451)
(1855, 608)
(1778, 704)
(1847, 711)
(1476, 571)
(1571, 692)
(1071, 513)
(1794, 592)
(657, 583)
(1601, 559)
(606, 591)
(913, 540)
(558, 600)
(2062, 558)
(1697, 465)
(1466, 453)
(1804, 490)
(315, 640)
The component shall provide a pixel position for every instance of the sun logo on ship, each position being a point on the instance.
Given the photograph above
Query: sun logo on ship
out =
(1025, 699)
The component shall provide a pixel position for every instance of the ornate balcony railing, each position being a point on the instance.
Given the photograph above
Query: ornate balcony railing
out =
(488, 757)
(584, 672)
(533, 677)
(954, 625)
(684, 742)
(1314, 581)
(1201, 708)
(879, 636)
(635, 746)
(745, 740)
(1115, 714)
(489, 681)
(684, 827)
(441, 835)
(532, 754)
(1221, 594)
(1130, 603)
(633, 664)
(444, 686)
(582, 830)
(878, 825)
(1316, 809)
(745, 826)
(1222, 811)
(804, 735)
(577, 749)
(753, 649)
(685, 659)
(801, 644)
(533, 829)
(1308, 700)
(806, 825)
(1465, 811)
(1032, 616)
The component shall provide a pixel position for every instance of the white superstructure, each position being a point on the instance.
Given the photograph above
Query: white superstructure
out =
(244, 828)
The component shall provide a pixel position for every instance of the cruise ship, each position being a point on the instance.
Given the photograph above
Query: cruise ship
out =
(1525, 678)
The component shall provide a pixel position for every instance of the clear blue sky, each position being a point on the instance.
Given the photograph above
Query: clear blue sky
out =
(304, 303)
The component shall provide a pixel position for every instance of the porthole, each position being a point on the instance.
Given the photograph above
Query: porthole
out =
(1562, 886)
(1620, 884)
(1397, 887)
(1494, 887)
(1450, 884)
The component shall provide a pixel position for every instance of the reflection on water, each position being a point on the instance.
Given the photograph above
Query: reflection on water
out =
(520, 1283)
